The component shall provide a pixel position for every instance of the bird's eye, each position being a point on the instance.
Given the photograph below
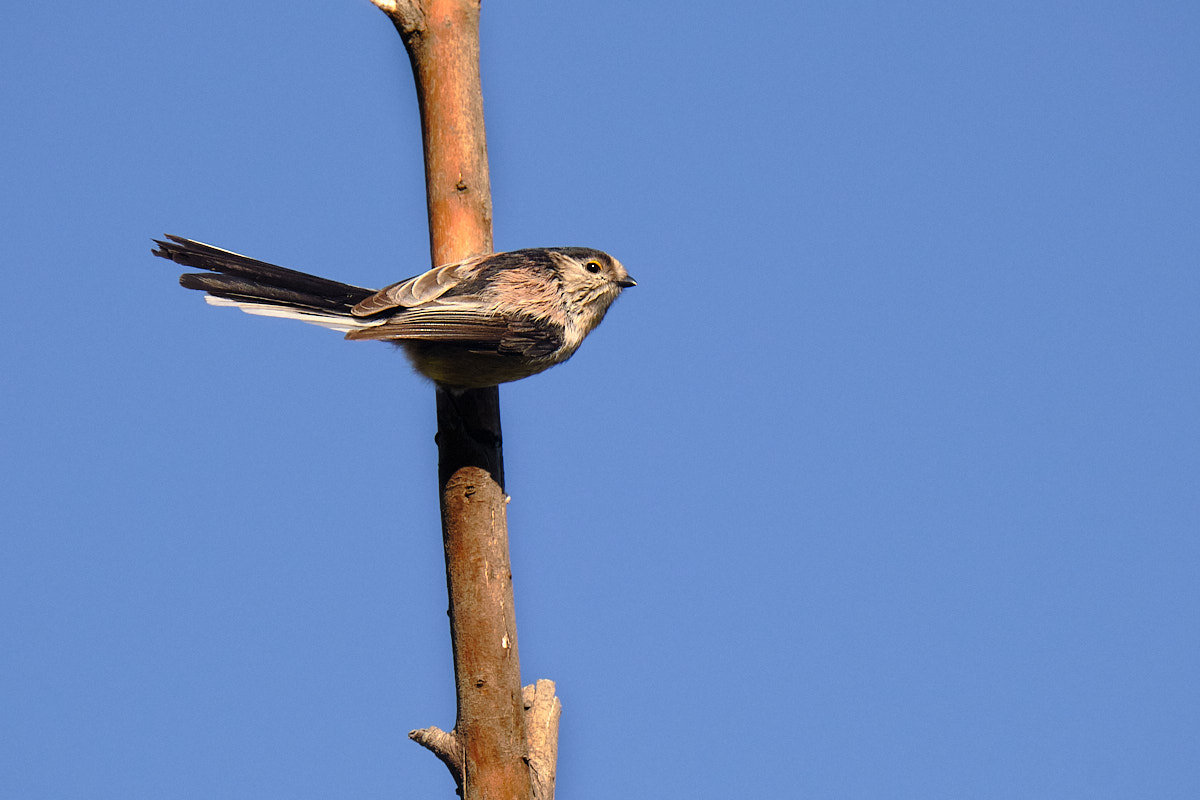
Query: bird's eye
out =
(592, 267)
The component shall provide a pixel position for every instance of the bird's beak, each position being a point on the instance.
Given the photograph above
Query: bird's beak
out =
(625, 284)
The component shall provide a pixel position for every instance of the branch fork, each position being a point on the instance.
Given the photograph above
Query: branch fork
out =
(542, 712)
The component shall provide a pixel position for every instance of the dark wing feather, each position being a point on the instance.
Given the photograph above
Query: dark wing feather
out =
(515, 335)
(438, 324)
(532, 339)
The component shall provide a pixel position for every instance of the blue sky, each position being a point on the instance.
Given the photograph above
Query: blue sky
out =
(883, 482)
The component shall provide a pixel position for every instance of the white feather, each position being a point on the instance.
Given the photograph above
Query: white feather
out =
(336, 322)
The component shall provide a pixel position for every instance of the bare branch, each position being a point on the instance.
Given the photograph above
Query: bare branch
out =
(487, 751)
(407, 14)
(542, 712)
(445, 746)
(491, 720)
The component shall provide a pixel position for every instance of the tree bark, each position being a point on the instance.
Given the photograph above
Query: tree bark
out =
(489, 751)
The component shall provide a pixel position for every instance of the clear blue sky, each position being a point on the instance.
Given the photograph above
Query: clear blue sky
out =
(883, 483)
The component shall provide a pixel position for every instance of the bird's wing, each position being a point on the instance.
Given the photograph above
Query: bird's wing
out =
(439, 322)
(465, 323)
(424, 288)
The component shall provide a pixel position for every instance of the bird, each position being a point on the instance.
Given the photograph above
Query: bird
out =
(473, 324)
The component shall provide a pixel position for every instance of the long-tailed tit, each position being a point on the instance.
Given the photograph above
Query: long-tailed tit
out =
(484, 321)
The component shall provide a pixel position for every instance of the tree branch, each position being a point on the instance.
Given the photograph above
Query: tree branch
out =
(445, 746)
(542, 711)
(487, 752)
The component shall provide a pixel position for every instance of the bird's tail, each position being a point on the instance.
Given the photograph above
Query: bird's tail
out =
(257, 287)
